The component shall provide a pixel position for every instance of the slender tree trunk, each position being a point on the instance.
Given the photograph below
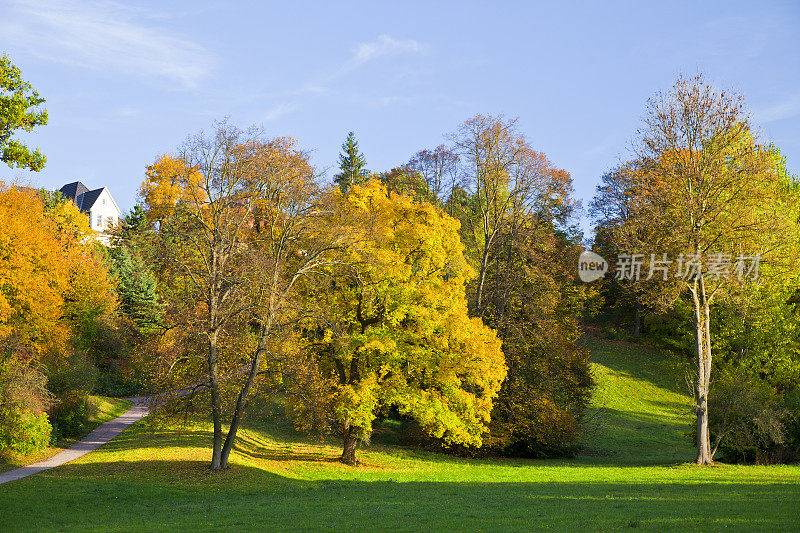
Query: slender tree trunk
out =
(216, 404)
(350, 444)
(703, 360)
(482, 279)
(241, 400)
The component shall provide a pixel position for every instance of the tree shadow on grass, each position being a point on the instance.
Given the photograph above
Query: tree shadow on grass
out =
(184, 495)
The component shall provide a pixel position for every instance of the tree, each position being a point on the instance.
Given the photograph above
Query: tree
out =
(169, 182)
(18, 111)
(34, 276)
(701, 186)
(136, 286)
(439, 170)
(235, 245)
(391, 326)
(351, 165)
(507, 179)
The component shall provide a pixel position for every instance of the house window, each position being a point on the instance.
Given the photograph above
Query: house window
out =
(99, 220)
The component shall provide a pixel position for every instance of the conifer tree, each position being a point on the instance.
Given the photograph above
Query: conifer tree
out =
(351, 165)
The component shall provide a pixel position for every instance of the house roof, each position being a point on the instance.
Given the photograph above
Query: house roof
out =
(74, 190)
(81, 195)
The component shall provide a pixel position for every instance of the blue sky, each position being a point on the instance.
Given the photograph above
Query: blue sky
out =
(125, 82)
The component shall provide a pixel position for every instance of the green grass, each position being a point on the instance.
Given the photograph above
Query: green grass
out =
(101, 410)
(154, 478)
(641, 412)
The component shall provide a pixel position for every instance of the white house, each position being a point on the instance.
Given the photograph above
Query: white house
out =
(98, 204)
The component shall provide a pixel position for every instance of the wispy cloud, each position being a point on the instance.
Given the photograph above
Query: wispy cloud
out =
(380, 47)
(280, 110)
(780, 110)
(104, 35)
(363, 53)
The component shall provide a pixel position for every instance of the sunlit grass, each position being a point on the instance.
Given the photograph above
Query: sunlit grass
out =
(154, 478)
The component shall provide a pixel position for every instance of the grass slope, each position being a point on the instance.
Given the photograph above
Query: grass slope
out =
(641, 412)
(157, 479)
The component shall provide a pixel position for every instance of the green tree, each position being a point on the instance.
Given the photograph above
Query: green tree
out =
(18, 111)
(136, 286)
(351, 165)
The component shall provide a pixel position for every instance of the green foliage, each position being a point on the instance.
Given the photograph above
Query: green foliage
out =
(24, 427)
(351, 165)
(748, 419)
(71, 386)
(136, 286)
(18, 111)
(24, 432)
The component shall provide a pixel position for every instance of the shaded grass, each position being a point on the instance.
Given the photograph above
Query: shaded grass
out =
(156, 478)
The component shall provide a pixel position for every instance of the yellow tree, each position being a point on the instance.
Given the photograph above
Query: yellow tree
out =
(391, 326)
(169, 181)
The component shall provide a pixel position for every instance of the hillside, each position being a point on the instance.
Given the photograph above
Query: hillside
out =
(641, 412)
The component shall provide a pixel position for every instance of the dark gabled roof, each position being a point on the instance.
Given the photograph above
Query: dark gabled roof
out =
(74, 190)
(81, 195)
(89, 198)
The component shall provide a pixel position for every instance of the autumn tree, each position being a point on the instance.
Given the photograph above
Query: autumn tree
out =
(391, 327)
(19, 111)
(168, 182)
(506, 180)
(235, 246)
(352, 164)
(439, 170)
(54, 288)
(700, 188)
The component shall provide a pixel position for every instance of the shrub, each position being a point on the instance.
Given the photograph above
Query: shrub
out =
(23, 432)
(24, 398)
(71, 386)
(747, 419)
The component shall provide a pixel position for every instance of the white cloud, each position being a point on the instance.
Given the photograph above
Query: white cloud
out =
(382, 46)
(362, 54)
(104, 36)
(786, 108)
(279, 110)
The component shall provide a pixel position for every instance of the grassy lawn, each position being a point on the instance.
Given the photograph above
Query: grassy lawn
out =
(157, 479)
(101, 409)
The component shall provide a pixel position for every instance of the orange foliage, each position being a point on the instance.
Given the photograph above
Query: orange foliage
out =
(48, 278)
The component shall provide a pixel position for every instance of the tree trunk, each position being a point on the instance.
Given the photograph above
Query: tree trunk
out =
(350, 444)
(216, 403)
(703, 360)
(241, 400)
(481, 280)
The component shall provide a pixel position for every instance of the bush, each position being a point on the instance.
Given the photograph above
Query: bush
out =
(71, 386)
(23, 432)
(747, 419)
(24, 428)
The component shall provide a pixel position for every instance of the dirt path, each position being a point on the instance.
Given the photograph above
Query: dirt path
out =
(93, 440)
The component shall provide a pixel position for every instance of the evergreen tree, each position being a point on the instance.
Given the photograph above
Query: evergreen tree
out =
(136, 286)
(351, 165)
